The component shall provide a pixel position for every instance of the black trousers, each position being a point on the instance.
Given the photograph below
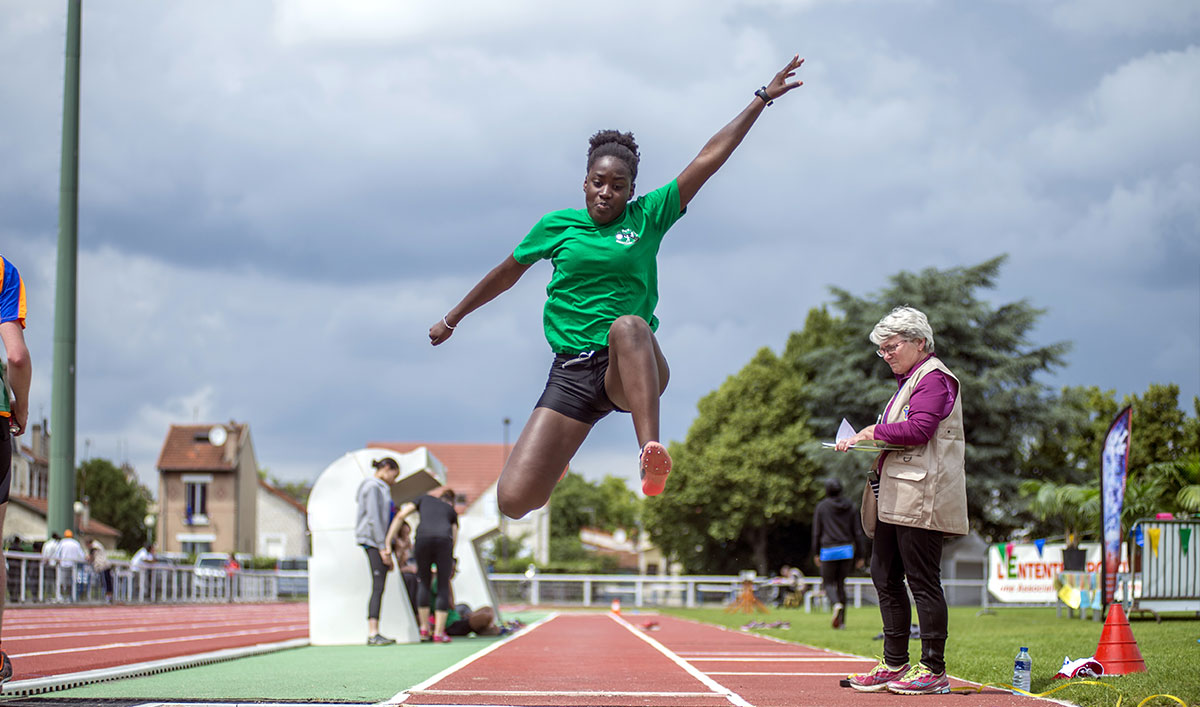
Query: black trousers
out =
(833, 578)
(379, 573)
(914, 554)
(434, 551)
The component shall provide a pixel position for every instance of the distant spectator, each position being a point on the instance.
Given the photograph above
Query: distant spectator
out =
(790, 587)
(463, 621)
(50, 550)
(98, 558)
(837, 543)
(72, 560)
(140, 564)
(142, 558)
(405, 564)
(232, 567)
(373, 503)
(434, 545)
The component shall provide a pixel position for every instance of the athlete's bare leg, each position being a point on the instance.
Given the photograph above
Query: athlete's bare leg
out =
(637, 374)
(538, 460)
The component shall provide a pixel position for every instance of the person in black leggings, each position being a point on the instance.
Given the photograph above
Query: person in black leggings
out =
(433, 545)
(373, 499)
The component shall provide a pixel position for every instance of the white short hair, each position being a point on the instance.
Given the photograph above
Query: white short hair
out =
(912, 324)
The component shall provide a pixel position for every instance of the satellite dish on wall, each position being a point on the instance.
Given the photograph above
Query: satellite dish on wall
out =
(217, 435)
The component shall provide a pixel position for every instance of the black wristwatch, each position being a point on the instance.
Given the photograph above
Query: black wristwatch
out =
(762, 93)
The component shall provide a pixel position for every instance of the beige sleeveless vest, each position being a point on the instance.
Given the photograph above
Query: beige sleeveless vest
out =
(926, 486)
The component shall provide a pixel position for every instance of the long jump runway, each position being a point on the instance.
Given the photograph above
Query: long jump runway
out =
(48, 642)
(603, 660)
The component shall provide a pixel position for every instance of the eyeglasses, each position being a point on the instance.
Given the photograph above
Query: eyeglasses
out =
(885, 350)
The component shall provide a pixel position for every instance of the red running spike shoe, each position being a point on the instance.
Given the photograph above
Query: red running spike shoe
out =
(655, 464)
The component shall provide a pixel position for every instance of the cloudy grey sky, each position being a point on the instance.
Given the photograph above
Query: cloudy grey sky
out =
(277, 199)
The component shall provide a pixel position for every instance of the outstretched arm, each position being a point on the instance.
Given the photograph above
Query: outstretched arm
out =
(721, 146)
(501, 277)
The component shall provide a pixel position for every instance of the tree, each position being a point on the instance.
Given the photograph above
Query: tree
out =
(115, 500)
(1163, 469)
(987, 348)
(1071, 508)
(577, 503)
(739, 477)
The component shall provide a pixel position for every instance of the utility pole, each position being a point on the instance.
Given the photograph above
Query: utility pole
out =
(59, 514)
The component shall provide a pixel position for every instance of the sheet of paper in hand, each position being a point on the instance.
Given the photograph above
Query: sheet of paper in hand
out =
(846, 431)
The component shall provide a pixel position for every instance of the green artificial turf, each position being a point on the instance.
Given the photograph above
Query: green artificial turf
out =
(331, 673)
(981, 648)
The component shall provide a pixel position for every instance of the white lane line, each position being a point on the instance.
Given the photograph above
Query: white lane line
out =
(569, 693)
(708, 682)
(173, 639)
(751, 653)
(831, 659)
(153, 628)
(403, 695)
(782, 675)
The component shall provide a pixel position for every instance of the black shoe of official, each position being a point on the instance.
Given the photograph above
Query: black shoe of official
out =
(380, 640)
(6, 669)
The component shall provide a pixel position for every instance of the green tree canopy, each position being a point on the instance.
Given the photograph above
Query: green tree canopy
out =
(114, 499)
(739, 477)
(1161, 473)
(577, 503)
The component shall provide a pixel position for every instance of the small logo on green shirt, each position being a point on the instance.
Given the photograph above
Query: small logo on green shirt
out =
(627, 237)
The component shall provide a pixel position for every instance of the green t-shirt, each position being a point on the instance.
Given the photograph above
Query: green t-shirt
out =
(600, 272)
(5, 403)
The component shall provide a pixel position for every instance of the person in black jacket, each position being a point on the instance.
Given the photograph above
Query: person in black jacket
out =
(837, 543)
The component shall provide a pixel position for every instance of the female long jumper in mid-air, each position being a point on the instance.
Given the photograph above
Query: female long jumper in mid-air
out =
(599, 314)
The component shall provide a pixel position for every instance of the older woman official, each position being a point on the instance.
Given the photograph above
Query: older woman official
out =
(921, 496)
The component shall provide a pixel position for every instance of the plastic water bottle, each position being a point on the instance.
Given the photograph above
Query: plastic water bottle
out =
(1022, 670)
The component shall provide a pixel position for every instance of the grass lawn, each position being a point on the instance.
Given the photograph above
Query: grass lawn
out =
(982, 648)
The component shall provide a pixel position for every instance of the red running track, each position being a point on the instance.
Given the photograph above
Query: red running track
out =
(53, 641)
(595, 659)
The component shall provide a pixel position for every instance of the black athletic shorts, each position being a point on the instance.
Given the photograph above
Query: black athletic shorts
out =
(575, 387)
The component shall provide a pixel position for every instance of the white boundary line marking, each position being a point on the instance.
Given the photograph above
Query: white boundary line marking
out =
(713, 685)
(572, 693)
(781, 641)
(784, 675)
(786, 659)
(158, 641)
(404, 694)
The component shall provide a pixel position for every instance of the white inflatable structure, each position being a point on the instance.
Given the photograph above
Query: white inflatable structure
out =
(339, 576)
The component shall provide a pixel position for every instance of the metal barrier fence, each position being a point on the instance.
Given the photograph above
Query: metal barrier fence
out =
(32, 580)
(686, 591)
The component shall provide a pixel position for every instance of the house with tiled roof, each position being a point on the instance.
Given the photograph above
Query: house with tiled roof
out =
(282, 524)
(472, 471)
(207, 489)
(30, 470)
(26, 518)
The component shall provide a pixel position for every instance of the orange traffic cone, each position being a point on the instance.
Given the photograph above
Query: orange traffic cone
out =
(616, 606)
(1118, 650)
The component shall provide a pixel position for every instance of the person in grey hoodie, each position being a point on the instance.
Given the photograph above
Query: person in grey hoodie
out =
(837, 542)
(374, 499)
